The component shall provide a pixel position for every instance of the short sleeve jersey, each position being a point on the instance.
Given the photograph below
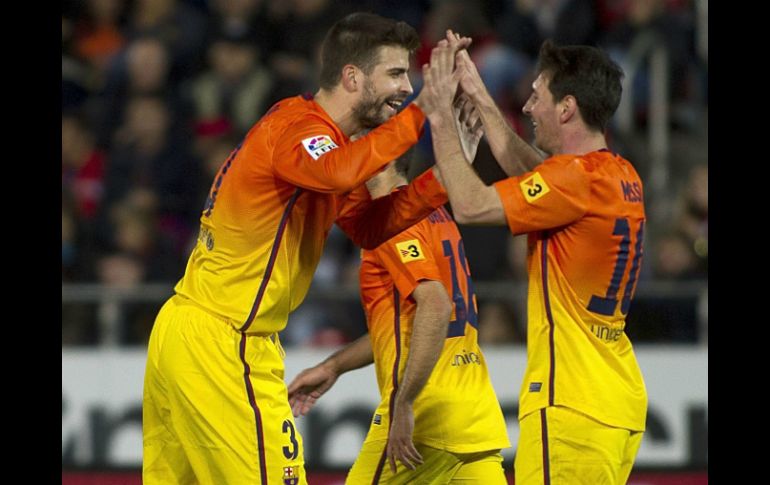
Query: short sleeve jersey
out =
(585, 219)
(457, 410)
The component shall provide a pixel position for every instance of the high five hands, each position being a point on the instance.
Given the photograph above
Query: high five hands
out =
(439, 77)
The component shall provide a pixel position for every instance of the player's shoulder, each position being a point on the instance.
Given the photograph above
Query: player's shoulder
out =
(570, 160)
(289, 108)
(307, 119)
(568, 168)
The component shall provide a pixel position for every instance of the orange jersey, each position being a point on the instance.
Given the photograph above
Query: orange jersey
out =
(457, 410)
(585, 218)
(273, 203)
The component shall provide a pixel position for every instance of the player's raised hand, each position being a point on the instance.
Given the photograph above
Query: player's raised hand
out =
(440, 85)
(469, 125)
(400, 445)
(308, 387)
(470, 79)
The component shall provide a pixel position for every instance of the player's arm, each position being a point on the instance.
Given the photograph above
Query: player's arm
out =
(312, 383)
(473, 202)
(429, 329)
(556, 193)
(310, 154)
(513, 154)
(369, 223)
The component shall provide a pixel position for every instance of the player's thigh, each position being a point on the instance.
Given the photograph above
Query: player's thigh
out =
(164, 460)
(283, 444)
(228, 403)
(529, 462)
(369, 464)
(629, 456)
(585, 451)
(573, 448)
(284, 455)
(372, 467)
(486, 467)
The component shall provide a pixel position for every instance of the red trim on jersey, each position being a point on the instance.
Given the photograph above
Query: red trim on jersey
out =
(255, 408)
(271, 261)
(552, 348)
(397, 325)
(544, 439)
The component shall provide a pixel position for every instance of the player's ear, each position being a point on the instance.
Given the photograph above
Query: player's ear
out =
(567, 108)
(352, 78)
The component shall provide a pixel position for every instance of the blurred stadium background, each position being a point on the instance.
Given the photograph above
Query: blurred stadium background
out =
(155, 93)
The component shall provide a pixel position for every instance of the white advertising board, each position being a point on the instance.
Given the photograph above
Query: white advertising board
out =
(102, 391)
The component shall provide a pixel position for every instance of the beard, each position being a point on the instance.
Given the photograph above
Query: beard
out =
(371, 110)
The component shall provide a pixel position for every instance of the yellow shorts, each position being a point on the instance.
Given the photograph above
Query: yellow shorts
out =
(558, 445)
(439, 467)
(215, 409)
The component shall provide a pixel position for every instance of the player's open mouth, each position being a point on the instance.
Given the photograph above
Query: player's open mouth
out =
(394, 104)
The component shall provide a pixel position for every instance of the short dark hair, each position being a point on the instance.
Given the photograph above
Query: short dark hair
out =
(356, 39)
(586, 73)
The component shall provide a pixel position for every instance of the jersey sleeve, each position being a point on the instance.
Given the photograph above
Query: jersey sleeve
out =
(554, 194)
(408, 258)
(312, 154)
(369, 223)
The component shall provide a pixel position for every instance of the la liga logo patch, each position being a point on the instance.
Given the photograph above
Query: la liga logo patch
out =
(318, 145)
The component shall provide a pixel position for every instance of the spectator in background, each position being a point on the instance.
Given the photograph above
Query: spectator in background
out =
(410, 11)
(149, 153)
(236, 88)
(675, 259)
(70, 238)
(501, 67)
(237, 17)
(139, 253)
(301, 32)
(674, 26)
(99, 34)
(75, 78)
(527, 23)
(693, 217)
(142, 69)
(83, 165)
(212, 148)
(181, 27)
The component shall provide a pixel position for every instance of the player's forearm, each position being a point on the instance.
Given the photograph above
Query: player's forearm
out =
(428, 335)
(341, 169)
(513, 154)
(472, 200)
(353, 356)
(372, 222)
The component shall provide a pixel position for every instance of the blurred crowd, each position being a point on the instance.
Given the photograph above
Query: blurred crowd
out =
(156, 93)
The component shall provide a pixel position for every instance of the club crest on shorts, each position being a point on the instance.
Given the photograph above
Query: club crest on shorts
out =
(290, 475)
(318, 145)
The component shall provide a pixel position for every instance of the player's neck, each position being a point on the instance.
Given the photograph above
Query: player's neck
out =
(338, 105)
(582, 141)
